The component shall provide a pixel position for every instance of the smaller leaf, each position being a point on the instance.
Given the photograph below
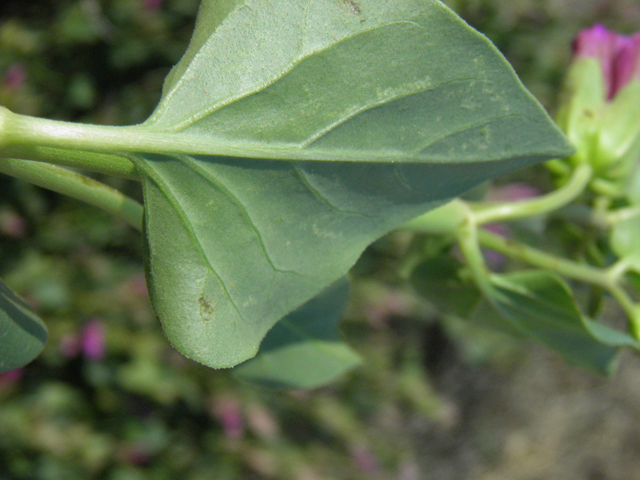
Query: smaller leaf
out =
(303, 350)
(22, 333)
(540, 305)
(633, 186)
(625, 240)
(437, 280)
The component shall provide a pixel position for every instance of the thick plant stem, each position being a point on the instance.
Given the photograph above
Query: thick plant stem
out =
(444, 220)
(77, 186)
(103, 163)
(542, 205)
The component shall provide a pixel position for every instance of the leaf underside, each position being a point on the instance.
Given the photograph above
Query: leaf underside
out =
(22, 333)
(391, 109)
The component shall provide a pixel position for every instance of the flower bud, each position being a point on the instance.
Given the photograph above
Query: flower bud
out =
(599, 109)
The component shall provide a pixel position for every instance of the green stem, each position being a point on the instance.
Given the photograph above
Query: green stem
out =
(616, 216)
(492, 213)
(77, 186)
(630, 308)
(106, 164)
(538, 258)
(444, 220)
(468, 241)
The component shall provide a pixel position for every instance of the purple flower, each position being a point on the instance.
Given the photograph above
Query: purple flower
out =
(509, 193)
(10, 378)
(228, 411)
(366, 461)
(93, 340)
(12, 224)
(619, 55)
(90, 342)
(153, 5)
(15, 76)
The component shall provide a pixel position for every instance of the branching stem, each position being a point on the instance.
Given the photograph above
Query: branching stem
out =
(77, 186)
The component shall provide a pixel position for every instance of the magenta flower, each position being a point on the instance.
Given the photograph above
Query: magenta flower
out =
(15, 76)
(10, 378)
(90, 342)
(153, 5)
(509, 193)
(366, 461)
(93, 340)
(229, 413)
(12, 224)
(599, 109)
(619, 55)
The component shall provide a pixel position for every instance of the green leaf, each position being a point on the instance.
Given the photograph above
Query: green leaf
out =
(437, 279)
(632, 191)
(22, 333)
(382, 110)
(303, 350)
(540, 305)
(625, 238)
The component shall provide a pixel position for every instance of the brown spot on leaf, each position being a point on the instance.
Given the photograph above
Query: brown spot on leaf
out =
(206, 308)
(353, 6)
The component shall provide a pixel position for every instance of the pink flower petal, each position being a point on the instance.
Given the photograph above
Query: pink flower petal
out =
(512, 192)
(93, 342)
(618, 54)
(153, 5)
(10, 378)
(627, 62)
(229, 412)
(15, 76)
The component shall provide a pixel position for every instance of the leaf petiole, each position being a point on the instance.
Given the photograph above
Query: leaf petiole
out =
(492, 213)
(77, 186)
(103, 163)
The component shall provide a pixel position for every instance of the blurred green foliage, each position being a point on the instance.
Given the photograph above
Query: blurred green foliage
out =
(109, 399)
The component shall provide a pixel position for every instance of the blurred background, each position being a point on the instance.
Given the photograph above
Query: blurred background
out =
(110, 399)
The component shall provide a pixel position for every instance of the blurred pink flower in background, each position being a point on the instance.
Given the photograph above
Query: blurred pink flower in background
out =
(10, 378)
(12, 224)
(511, 192)
(366, 461)
(619, 55)
(93, 345)
(136, 454)
(153, 5)
(228, 412)
(90, 342)
(15, 76)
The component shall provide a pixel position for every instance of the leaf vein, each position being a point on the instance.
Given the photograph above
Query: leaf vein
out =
(197, 168)
(302, 175)
(174, 202)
